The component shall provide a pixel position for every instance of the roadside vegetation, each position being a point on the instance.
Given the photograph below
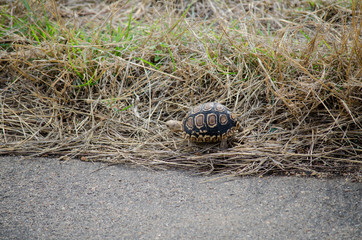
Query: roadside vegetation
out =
(97, 80)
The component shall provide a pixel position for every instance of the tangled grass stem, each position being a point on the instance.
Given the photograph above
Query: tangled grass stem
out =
(98, 81)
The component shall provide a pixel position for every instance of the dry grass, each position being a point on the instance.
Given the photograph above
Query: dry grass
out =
(98, 80)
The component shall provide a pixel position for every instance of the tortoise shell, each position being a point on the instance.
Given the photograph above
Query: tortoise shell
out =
(209, 122)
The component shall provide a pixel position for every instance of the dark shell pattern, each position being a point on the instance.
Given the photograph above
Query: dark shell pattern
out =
(209, 122)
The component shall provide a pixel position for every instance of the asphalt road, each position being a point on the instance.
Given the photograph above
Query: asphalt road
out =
(49, 199)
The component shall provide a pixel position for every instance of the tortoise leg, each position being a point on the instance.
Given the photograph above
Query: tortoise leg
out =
(224, 144)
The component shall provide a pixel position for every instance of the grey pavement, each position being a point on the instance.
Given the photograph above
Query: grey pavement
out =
(50, 199)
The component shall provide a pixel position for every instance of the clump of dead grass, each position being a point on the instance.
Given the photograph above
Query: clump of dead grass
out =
(98, 80)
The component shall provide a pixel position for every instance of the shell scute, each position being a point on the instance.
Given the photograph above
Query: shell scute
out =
(209, 122)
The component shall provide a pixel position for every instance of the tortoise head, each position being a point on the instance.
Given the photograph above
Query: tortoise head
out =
(175, 126)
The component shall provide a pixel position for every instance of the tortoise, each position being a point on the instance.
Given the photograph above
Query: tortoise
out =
(208, 122)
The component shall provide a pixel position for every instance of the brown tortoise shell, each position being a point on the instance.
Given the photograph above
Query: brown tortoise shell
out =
(209, 122)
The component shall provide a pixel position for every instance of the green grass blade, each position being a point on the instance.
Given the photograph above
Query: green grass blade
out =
(304, 34)
(129, 24)
(145, 61)
(27, 6)
(89, 82)
(124, 109)
(34, 34)
(173, 60)
(73, 66)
